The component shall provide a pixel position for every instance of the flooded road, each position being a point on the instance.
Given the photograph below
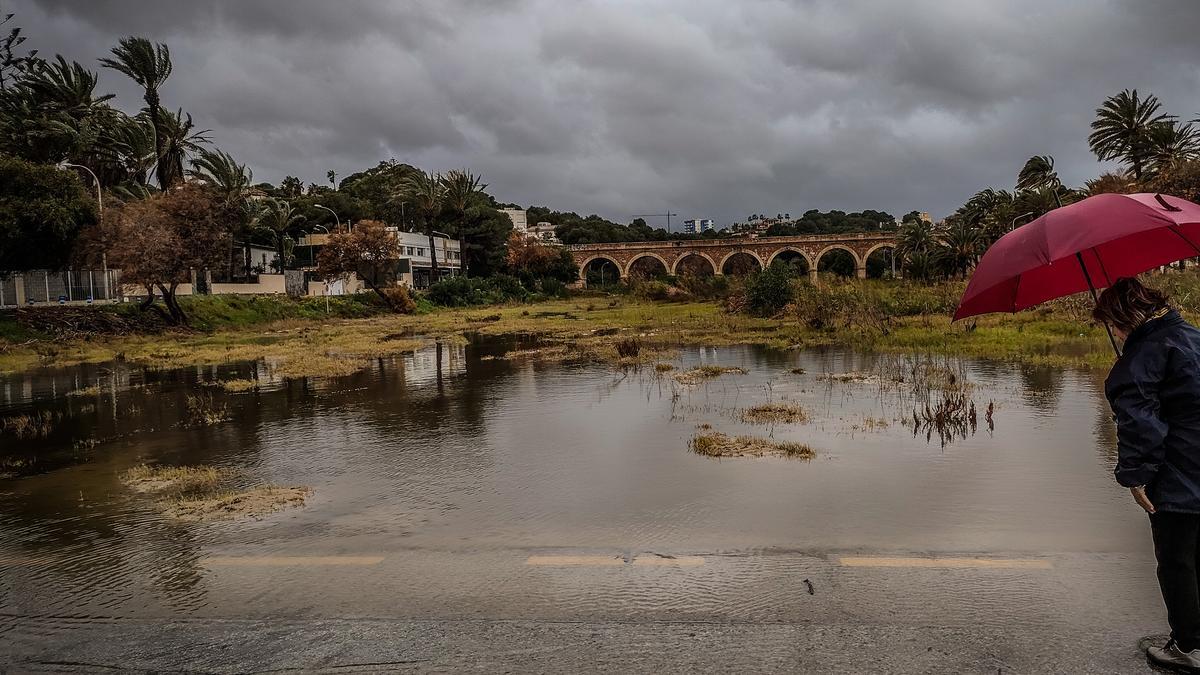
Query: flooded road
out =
(454, 483)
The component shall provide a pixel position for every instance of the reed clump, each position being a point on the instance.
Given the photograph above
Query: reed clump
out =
(717, 444)
(775, 413)
(203, 410)
(701, 373)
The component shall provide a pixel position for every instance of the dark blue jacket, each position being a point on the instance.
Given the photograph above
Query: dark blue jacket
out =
(1154, 390)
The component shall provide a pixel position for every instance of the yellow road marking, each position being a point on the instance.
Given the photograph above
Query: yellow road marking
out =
(294, 561)
(678, 561)
(575, 560)
(946, 563)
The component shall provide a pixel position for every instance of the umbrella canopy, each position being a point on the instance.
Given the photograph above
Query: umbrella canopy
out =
(1082, 246)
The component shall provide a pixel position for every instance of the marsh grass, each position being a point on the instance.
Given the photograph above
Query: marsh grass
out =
(663, 367)
(915, 320)
(255, 502)
(774, 413)
(175, 479)
(717, 444)
(204, 410)
(200, 493)
(37, 425)
(701, 373)
(237, 386)
(93, 390)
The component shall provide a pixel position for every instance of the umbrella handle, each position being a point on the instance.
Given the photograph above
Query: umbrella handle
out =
(1091, 287)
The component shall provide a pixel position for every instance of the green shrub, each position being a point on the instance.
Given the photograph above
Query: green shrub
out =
(467, 291)
(704, 287)
(769, 291)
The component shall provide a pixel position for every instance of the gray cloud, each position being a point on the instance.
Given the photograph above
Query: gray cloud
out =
(709, 107)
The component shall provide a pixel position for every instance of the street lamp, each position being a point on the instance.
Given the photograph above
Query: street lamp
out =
(335, 216)
(1013, 225)
(100, 206)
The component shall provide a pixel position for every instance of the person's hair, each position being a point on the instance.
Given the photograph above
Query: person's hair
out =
(1127, 304)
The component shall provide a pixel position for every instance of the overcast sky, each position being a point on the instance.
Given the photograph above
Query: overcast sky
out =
(712, 108)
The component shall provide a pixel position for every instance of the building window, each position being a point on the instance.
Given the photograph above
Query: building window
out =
(421, 252)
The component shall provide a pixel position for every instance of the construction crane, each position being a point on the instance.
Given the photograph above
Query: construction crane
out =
(667, 215)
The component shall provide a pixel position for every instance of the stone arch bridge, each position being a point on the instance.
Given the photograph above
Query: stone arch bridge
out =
(729, 256)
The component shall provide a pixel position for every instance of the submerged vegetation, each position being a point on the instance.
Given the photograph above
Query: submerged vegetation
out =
(717, 444)
(775, 413)
(199, 493)
(701, 373)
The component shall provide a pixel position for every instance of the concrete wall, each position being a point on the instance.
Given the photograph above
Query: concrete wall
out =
(268, 284)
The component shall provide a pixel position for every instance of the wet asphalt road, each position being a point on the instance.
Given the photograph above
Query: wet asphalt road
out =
(571, 611)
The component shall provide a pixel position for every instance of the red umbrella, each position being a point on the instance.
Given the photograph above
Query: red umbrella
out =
(1079, 247)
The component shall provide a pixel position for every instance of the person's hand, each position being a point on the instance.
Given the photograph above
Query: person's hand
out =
(1139, 496)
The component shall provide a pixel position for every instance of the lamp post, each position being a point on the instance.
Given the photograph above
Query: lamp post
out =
(100, 207)
(1013, 225)
(335, 216)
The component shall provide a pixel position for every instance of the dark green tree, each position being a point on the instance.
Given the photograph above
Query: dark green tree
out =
(42, 211)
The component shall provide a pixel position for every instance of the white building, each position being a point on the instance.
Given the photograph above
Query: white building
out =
(414, 265)
(698, 225)
(519, 218)
(543, 232)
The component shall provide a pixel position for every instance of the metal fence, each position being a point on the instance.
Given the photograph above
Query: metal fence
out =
(39, 287)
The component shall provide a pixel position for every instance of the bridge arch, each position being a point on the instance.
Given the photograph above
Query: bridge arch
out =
(867, 264)
(859, 263)
(731, 255)
(781, 256)
(629, 271)
(601, 258)
(677, 270)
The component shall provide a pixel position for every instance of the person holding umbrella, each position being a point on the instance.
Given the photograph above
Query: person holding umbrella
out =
(1154, 386)
(1153, 389)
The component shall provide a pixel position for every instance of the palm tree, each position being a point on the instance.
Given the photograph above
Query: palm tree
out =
(278, 218)
(962, 243)
(1171, 143)
(426, 193)
(917, 247)
(149, 65)
(462, 188)
(176, 140)
(1122, 127)
(1038, 172)
(221, 171)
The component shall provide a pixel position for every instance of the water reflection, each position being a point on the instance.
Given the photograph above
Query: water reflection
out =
(452, 449)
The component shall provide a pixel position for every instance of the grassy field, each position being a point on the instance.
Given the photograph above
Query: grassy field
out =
(298, 338)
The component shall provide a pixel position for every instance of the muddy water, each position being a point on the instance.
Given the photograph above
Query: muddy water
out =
(453, 465)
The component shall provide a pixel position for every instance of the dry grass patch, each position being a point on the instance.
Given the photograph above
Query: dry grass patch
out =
(177, 479)
(93, 390)
(663, 367)
(197, 493)
(701, 373)
(253, 503)
(717, 444)
(237, 386)
(775, 413)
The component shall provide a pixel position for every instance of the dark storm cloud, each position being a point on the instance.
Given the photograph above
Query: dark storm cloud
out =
(709, 107)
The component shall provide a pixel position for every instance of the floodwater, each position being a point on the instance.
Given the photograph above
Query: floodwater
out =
(437, 475)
